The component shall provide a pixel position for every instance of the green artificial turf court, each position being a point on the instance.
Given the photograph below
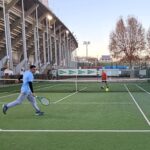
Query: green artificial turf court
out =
(79, 120)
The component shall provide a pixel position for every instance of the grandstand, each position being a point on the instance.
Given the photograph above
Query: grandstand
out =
(30, 33)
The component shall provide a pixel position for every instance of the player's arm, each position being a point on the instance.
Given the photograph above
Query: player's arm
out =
(31, 86)
(19, 79)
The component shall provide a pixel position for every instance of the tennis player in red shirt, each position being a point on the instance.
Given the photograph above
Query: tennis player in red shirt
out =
(104, 80)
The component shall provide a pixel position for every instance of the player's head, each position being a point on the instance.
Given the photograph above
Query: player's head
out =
(33, 68)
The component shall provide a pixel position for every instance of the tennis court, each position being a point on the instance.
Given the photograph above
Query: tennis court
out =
(80, 116)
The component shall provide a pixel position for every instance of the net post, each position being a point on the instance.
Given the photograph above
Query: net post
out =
(76, 62)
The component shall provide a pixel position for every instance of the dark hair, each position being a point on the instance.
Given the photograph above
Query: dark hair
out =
(32, 66)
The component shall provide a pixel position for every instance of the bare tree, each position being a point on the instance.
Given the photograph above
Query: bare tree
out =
(127, 41)
(148, 39)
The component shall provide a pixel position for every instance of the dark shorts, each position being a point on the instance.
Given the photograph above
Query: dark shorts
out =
(104, 81)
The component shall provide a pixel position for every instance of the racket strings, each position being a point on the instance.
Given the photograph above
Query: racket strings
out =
(45, 101)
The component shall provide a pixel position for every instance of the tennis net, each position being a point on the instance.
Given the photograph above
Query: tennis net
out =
(80, 85)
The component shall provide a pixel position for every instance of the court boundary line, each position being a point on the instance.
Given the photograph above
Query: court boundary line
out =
(90, 103)
(75, 131)
(95, 103)
(65, 97)
(4, 96)
(146, 119)
(45, 87)
(8, 95)
(143, 89)
(69, 96)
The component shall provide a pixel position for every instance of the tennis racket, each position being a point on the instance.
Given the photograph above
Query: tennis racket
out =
(43, 100)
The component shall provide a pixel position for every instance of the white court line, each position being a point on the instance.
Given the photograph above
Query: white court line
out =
(65, 97)
(148, 122)
(78, 131)
(69, 95)
(95, 103)
(8, 95)
(53, 102)
(3, 92)
(46, 87)
(142, 89)
(90, 103)
(18, 93)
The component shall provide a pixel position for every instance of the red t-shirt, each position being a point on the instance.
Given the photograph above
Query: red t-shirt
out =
(104, 76)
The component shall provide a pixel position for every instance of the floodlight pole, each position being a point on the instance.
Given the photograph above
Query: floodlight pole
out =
(86, 43)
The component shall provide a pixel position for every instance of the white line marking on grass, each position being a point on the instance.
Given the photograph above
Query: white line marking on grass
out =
(90, 103)
(95, 103)
(3, 92)
(49, 86)
(9, 95)
(69, 95)
(79, 131)
(18, 93)
(148, 122)
(142, 89)
(65, 97)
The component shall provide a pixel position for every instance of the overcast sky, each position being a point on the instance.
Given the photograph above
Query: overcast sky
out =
(93, 20)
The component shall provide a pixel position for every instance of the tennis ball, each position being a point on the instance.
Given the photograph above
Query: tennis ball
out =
(107, 89)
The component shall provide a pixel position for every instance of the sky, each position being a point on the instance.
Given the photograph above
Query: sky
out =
(94, 20)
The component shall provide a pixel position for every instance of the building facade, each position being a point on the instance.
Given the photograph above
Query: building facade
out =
(30, 33)
(45, 2)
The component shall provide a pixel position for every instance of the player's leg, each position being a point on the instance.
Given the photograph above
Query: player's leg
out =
(32, 100)
(102, 84)
(18, 101)
(106, 84)
(107, 87)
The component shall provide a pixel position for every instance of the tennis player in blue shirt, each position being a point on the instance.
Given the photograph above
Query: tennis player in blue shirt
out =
(26, 92)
